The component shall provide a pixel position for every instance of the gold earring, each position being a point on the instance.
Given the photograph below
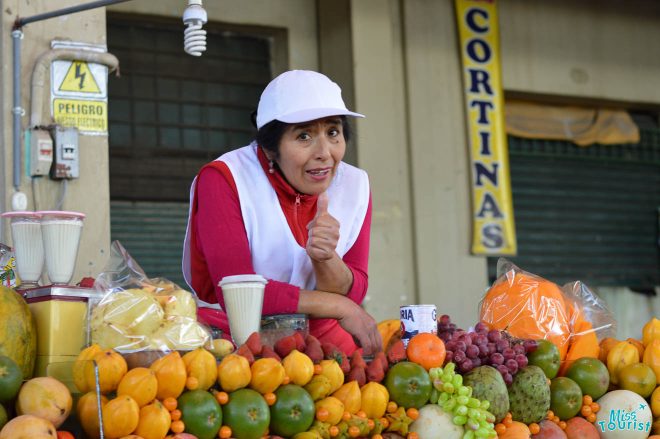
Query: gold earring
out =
(271, 167)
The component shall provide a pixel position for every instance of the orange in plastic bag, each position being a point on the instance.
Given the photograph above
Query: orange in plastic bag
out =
(527, 306)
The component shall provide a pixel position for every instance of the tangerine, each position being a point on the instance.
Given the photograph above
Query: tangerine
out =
(427, 350)
(638, 378)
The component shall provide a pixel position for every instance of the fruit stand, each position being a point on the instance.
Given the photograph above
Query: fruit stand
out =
(506, 377)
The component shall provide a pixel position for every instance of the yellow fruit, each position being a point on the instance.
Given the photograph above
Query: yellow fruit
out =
(605, 346)
(139, 383)
(120, 417)
(639, 345)
(220, 347)
(332, 370)
(620, 356)
(83, 361)
(201, 365)
(350, 395)
(28, 426)
(655, 402)
(298, 367)
(88, 414)
(234, 373)
(46, 398)
(171, 375)
(638, 378)
(319, 387)
(652, 358)
(651, 331)
(374, 399)
(267, 375)
(335, 409)
(154, 422)
(111, 369)
(387, 329)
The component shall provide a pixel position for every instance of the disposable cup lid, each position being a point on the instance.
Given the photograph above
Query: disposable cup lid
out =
(242, 278)
(61, 213)
(20, 213)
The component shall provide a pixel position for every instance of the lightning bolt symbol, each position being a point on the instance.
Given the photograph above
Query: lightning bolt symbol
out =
(80, 75)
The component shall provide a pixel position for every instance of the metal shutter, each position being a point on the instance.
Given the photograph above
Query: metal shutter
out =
(169, 114)
(588, 214)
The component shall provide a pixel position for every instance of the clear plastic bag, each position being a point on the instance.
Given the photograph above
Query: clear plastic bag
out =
(139, 314)
(528, 306)
(8, 277)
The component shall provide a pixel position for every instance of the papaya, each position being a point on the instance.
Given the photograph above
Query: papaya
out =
(528, 306)
(584, 343)
(18, 331)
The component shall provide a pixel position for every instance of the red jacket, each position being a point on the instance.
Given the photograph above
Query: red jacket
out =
(216, 217)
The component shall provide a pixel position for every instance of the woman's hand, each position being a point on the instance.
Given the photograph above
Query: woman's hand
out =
(323, 232)
(357, 322)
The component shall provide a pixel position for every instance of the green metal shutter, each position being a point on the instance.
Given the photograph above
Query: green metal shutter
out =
(152, 232)
(169, 114)
(587, 213)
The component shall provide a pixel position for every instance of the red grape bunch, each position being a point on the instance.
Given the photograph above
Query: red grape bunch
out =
(482, 346)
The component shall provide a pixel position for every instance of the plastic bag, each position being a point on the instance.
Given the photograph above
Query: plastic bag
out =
(529, 306)
(8, 276)
(140, 314)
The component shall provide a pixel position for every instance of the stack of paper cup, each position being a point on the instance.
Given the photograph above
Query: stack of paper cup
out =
(244, 297)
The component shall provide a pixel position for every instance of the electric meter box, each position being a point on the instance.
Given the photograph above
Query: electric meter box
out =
(66, 158)
(41, 152)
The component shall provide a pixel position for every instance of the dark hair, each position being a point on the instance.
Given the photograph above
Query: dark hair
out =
(270, 135)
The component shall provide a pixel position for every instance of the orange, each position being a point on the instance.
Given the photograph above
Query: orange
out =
(638, 378)
(427, 350)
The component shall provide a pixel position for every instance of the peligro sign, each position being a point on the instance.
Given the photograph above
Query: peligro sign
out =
(493, 231)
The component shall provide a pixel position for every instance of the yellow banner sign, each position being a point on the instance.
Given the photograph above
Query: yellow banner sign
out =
(86, 115)
(493, 230)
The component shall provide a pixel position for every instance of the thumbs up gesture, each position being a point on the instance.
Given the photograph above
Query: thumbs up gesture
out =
(323, 232)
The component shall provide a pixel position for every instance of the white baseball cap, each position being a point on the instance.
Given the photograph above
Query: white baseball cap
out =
(300, 96)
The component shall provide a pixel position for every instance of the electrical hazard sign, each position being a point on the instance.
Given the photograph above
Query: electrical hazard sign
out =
(79, 78)
(79, 96)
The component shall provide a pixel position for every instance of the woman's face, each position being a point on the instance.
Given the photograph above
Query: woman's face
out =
(310, 153)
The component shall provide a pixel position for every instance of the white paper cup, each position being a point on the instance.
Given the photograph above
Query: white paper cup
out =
(244, 297)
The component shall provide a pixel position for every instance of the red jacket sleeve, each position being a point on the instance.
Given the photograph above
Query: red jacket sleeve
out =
(222, 239)
(357, 260)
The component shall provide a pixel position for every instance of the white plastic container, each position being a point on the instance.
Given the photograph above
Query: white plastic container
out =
(28, 246)
(244, 298)
(61, 232)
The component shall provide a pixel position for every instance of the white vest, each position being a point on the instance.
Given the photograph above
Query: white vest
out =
(275, 253)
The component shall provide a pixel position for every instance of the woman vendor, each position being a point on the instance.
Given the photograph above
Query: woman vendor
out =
(288, 208)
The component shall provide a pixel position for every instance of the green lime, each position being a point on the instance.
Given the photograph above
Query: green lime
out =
(591, 375)
(546, 356)
(293, 411)
(247, 414)
(201, 413)
(409, 384)
(11, 378)
(565, 397)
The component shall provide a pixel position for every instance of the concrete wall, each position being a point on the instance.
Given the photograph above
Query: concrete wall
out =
(89, 193)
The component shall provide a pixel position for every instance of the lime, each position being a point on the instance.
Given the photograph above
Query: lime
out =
(565, 397)
(201, 413)
(546, 356)
(3, 416)
(409, 384)
(638, 378)
(591, 375)
(293, 411)
(11, 378)
(247, 414)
